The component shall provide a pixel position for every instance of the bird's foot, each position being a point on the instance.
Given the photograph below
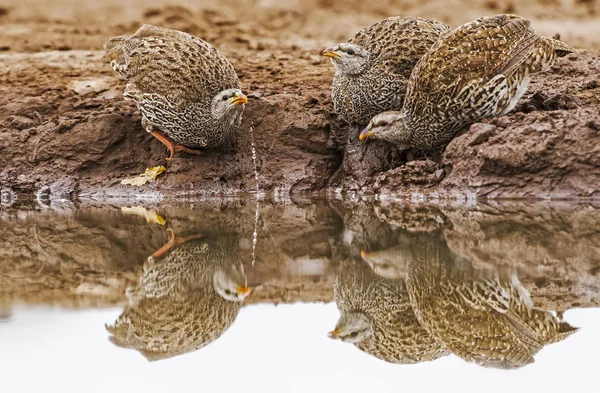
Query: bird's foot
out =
(173, 242)
(173, 147)
(182, 148)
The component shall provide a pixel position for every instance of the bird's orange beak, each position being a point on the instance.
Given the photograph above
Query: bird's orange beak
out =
(363, 254)
(239, 99)
(334, 334)
(329, 52)
(242, 291)
(366, 133)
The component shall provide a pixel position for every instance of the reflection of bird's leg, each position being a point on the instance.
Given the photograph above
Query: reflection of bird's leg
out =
(174, 241)
(41, 249)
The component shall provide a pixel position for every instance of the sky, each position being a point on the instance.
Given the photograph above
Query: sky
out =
(269, 348)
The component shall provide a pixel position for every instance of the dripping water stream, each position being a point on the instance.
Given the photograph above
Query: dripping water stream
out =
(256, 182)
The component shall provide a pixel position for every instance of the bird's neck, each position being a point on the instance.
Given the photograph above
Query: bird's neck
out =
(227, 123)
(355, 71)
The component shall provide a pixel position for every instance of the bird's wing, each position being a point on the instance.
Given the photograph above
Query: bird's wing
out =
(485, 295)
(173, 64)
(397, 43)
(466, 61)
(525, 333)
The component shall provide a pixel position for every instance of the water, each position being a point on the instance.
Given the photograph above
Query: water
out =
(257, 193)
(480, 289)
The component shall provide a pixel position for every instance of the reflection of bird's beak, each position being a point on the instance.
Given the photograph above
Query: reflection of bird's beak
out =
(334, 333)
(329, 52)
(242, 291)
(366, 133)
(238, 99)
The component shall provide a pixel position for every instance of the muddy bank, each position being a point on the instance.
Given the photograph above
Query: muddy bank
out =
(66, 131)
(89, 257)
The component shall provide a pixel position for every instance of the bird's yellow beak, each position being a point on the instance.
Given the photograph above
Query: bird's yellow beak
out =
(366, 133)
(238, 99)
(334, 334)
(363, 254)
(242, 291)
(329, 52)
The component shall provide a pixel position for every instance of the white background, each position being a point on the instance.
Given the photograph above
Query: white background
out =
(268, 349)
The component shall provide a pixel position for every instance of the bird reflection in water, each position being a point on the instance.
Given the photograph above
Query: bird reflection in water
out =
(481, 314)
(376, 316)
(188, 295)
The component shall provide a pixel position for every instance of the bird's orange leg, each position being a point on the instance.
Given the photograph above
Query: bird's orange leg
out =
(173, 242)
(173, 147)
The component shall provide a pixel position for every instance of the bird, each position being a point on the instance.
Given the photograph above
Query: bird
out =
(480, 69)
(482, 315)
(188, 295)
(373, 67)
(187, 92)
(376, 316)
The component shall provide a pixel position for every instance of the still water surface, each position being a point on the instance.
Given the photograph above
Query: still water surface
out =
(333, 296)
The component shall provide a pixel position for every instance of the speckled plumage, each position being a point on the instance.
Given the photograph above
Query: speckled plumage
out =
(175, 308)
(482, 315)
(177, 81)
(480, 69)
(390, 50)
(397, 336)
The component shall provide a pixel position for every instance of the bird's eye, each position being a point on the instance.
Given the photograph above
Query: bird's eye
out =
(350, 52)
(228, 292)
(225, 98)
(353, 334)
(382, 124)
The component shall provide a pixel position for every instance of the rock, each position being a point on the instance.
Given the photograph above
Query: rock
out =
(439, 174)
(413, 176)
(534, 157)
(65, 187)
(481, 133)
(364, 159)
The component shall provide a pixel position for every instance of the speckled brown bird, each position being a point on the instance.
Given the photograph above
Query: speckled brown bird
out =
(183, 301)
(376, 316)
(187, 92)
(480, 69)
(481, 315)
(373, 67)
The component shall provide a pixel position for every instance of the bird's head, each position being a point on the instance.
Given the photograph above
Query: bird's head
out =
(352, 327)
(227, 102)
(388, 126)
(350, 59)
(231, 285)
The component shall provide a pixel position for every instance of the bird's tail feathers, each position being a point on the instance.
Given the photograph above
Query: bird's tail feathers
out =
(114, 49)
(565, 330)
(561, 48)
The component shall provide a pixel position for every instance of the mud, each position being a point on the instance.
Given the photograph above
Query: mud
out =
(66, 132)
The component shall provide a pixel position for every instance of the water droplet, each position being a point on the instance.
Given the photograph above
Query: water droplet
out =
(256, 182)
